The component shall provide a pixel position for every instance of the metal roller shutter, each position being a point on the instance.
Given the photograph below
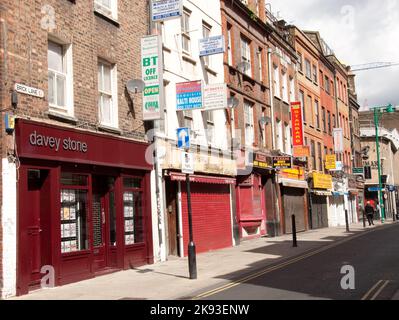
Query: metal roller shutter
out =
(211, 217)
(293, 199)
(319, 212)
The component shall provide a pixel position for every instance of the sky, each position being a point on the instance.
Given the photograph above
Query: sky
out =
(359, 32)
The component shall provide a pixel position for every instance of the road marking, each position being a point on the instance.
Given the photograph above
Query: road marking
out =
(371, 290)
(277, 267)
(380, 290)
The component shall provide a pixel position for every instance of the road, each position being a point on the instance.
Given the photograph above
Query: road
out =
(317, 276)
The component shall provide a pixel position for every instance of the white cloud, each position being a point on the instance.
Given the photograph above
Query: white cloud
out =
(359, 32)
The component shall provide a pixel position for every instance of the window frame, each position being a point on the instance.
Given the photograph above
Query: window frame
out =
(249, 123)
(111, 11)
(185, 31)
(114, 121)
(246, 50)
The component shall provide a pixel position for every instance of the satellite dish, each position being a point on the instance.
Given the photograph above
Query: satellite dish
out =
(135, 86)
(233, 102)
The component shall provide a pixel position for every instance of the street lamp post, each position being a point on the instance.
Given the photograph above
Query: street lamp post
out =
(378, 112)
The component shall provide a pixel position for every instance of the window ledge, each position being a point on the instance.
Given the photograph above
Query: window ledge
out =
(106, 17)
(109, 129)
(189, 59)
(210, 70)
(61, 117)
(166, 48)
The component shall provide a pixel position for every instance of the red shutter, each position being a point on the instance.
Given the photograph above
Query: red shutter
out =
(211, 217)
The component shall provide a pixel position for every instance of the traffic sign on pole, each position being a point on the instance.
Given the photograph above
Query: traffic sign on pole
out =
(183, 138)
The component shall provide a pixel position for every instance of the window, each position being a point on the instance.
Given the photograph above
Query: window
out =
(302, 100)
(317, 113)
(206, 33)
(327, 84)
(308, 69)
(321, 77)
(229, 44)
(74, 213)
(246, 56)
(249, 123)
(285, 88)
(185, 118)
(334, 123)
(292, 90)
(160, 30)
(60, 83)
(323, 119)
(309, 106)
(329, 122)
(332, 89)
(256, 3)
(320, 156)
(313, 154)
(210, 126)
(315, 74)
(260, 64)
(276, 81)
(279, 135)
(107, 7)
(300, 62)
(263, 128)
(185, 31)
(107, 97)
(133, 211)
(287, 138)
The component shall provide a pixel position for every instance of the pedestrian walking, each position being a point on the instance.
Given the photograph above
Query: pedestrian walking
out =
(370, 213)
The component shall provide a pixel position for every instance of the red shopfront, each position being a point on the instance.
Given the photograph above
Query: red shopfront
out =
(84, 204)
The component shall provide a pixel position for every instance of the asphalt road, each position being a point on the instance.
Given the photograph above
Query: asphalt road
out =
(374, 256)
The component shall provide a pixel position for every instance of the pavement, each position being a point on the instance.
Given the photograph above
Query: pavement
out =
(169, 280)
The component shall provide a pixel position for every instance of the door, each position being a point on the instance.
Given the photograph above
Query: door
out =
(103, 222)
(294, 204)
(171, 207)
(38, 224)
(319, 212)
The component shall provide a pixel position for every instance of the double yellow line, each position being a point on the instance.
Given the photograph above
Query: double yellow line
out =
(376, 289)
(273, 268)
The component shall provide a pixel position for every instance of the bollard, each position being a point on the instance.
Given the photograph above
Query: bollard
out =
(294, 240)
(364, 219)
(347, 221)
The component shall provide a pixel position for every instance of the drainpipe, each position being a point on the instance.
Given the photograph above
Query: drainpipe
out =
(269, 54)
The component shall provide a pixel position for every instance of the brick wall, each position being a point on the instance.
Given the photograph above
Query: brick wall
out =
(23, 59)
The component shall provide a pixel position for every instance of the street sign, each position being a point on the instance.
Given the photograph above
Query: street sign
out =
(375, 189)
(21, 88)
(282, 162)
(162, 10)
(187, 163)
(210, 46)
(358, 171)
(189, 95)
(183, 138)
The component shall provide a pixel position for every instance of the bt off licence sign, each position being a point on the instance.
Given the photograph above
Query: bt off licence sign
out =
(152, 63)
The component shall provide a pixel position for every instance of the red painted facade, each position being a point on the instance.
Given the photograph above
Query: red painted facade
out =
(103, 173)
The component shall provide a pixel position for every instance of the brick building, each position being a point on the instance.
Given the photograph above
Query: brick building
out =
(78, 147)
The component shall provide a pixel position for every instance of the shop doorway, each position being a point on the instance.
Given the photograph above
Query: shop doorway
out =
(38, 222)
(173, 219)
(104, 223)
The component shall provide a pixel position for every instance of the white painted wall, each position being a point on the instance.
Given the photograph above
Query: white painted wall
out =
(9, 225)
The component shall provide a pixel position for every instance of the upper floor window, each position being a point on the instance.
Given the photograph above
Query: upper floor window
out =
(60, 84)
(315, 80)
(276, 81)
(285, 88)
(327, 84)
(302, 100)
(317, 113)
(107, 96)
(300, 62)
(185, 31)
(249, 123)
(229, 44)
(287, 138)
(260, 64)
(246, 56)
(107, 7)
(206, 33)
(279, 135)
(308, 67)
(292, 90)
(210, 126)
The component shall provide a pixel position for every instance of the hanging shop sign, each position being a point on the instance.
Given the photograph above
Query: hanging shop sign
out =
(211, 45)
(261, 161)
(297, 124)
(282, 162)
(322, 181)
(358, 171)
(215, 96)
(296, 173)
(302, 152)
(331, 162)
(152, 73)
(338, 134)
(162, 10)
(189, 95)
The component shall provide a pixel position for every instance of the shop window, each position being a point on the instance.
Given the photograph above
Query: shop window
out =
(133, 211)
(74, 200)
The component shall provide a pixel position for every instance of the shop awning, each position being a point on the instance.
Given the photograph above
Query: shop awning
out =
(202, 179)
(324, 193)
(291, 183)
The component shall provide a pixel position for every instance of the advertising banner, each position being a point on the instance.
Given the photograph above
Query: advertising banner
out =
(297, 124)
(189, 95)
(338, 134)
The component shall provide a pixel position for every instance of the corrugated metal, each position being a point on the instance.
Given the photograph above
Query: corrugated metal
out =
(202, 179)
(211, 217)
(294, 203)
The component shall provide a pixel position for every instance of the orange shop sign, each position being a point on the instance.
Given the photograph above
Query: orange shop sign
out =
(296, 173)
(297, 124)
(302, 152)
